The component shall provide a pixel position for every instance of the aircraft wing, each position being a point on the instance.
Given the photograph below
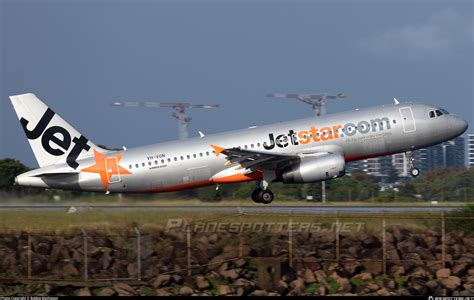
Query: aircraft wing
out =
(250, 159)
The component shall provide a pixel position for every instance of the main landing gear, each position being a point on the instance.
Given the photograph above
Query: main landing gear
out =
(262, 196)
(414, 172)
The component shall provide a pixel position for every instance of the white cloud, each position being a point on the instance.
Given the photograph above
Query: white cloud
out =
(436, 36)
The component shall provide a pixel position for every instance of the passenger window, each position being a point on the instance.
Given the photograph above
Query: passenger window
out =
(130, 167)
(169, 159)
(245, 146)
(189, 157)
(182, 158)
(194, 155)
(143, 164)
(258, 144)
(438, 113)
(200, 154)
(156, 162)
(149, 163)
(136, 165)
(251, 145)
(175, 159)
(207, 153)
(432, 114)
(162, 161)
(394, 121)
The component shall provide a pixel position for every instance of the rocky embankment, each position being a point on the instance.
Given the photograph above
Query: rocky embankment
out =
(413, 264)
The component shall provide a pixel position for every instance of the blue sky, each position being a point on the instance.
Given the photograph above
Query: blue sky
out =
(78, 56)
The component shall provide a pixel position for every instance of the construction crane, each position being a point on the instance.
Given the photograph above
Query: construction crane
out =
(318, 103)
(179, 113)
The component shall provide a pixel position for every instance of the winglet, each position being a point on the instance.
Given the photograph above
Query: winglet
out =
(396, 101)
(217, 149)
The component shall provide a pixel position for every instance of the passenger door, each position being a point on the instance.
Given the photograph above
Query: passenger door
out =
(408, 121)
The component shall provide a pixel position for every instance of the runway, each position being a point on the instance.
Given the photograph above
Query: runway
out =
(238, 209)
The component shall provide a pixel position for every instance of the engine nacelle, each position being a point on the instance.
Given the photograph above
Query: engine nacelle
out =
(314, 169)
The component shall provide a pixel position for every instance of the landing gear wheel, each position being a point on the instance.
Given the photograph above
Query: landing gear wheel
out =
(415, 172)
(255, 195)
(266, 196)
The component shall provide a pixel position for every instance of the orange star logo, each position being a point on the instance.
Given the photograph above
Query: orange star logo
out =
(106, 167)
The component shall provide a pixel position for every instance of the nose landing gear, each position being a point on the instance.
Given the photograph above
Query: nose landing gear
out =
(414, 172)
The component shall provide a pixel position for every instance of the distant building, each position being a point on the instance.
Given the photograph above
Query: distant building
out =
(447, 154)
(377, 166)
(470, 150)
(400, 164)
(353, 166)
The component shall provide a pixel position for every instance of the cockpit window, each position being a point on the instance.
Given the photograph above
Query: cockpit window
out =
(444, 111)
(438, 113)
(432, 114)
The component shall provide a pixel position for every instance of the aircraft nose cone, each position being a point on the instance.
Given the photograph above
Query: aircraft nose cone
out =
(462, 125)
(459, 125)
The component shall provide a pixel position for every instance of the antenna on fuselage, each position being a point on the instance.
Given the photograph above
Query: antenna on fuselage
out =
(179, 113)
(317, 101)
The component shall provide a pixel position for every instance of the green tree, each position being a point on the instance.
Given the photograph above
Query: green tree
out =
(456, 184)
(9, 169)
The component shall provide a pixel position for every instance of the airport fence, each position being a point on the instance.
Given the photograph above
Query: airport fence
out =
(180, 248)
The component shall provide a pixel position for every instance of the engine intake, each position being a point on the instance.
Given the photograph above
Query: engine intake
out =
(314, 169)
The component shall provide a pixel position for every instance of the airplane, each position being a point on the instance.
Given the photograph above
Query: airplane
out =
(300, 151)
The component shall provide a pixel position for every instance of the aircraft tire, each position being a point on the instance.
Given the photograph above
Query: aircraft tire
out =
(255, 195)
(415, 172)
(266, 196)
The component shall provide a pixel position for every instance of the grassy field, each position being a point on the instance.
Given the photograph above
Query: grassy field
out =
(114, 222)
(251, 203)
(107, 222)
(114, 200)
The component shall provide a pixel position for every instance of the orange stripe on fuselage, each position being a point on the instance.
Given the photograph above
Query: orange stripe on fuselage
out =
(257, 175)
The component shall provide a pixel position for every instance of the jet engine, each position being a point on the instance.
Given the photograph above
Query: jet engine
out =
(315, 168)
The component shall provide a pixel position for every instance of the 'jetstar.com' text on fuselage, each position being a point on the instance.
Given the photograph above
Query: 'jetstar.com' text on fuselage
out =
(325, 133)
